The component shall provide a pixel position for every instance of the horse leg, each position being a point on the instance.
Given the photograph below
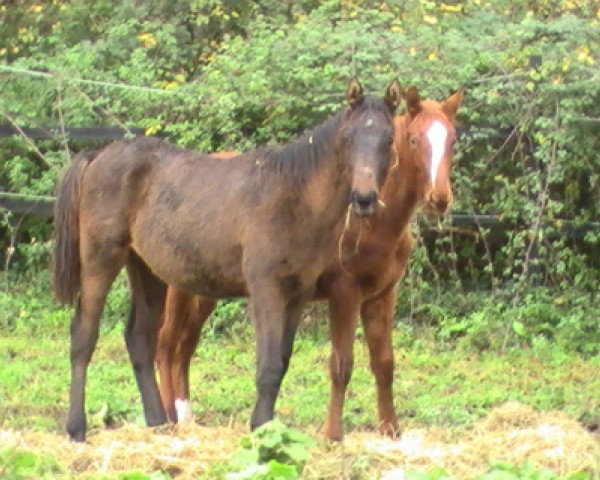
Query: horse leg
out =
(178, 324)
(377, 317)
(293, 316)
(167, 334)
(344, 306)
(193, 319)
(97, 274)
(148, 294)
(276, 319)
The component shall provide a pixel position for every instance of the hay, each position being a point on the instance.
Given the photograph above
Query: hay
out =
(184, 451)
(511, 432)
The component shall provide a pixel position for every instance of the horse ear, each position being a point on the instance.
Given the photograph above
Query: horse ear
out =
(413, 100)
(355, 94)
(452, 103)
(393, 95)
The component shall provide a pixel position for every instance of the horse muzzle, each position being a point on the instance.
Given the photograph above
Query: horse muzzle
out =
(438, 204)
(364, 204)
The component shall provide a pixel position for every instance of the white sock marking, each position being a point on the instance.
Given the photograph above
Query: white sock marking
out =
(436, 135)
(184, 410)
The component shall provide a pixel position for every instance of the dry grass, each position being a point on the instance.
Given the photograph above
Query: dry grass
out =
(511, 432)
(183, 451)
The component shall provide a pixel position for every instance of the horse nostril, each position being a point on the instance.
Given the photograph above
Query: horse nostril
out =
(440, 203)
(364, 202)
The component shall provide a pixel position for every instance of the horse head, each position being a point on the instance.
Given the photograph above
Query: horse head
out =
(367, 136)
(428, 138)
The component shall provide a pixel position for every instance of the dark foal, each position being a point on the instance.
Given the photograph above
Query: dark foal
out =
(264, 225)
(362, 283)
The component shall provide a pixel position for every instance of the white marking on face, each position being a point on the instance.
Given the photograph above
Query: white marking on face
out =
(369, 122)
(310, 140)
(183, 409)
(436, 135)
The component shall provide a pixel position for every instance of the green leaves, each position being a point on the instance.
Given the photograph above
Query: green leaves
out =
(19, 464)
(272, 452)
(501, 471)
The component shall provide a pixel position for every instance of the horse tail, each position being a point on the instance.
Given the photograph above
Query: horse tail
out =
(67, 263)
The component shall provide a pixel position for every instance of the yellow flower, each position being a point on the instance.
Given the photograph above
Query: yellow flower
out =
(152, 129)
(451, 8)
(147, 40)
(432, 56)
(583, 54)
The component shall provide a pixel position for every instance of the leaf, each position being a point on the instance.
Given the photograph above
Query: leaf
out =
(297, 453)
(283, 471)
(519, 328)
(252, 472)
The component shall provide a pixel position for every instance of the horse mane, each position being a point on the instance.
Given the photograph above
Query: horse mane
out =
(301, 157)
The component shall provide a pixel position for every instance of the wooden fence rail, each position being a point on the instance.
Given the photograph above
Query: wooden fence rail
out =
(78, 133)
(43, 206)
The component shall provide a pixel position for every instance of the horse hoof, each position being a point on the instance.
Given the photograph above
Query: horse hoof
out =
(78, 437)
(390, 429)
(76, 431)
(331, 433)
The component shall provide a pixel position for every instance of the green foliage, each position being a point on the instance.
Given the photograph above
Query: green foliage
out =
(528, 471)
(272, 452)
(228, 75)
(482, 322)
(502, 471)
(227, 317)
(21, 465)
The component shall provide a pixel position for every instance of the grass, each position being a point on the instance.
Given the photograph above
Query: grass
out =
(437, 384)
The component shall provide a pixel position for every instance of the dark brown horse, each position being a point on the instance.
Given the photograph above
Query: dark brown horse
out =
(264, 225)
(360, 283)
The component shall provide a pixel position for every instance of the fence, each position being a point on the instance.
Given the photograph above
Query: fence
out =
(43, 205)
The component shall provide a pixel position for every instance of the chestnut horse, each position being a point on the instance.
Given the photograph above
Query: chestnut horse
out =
(360, 283)
(265, 226)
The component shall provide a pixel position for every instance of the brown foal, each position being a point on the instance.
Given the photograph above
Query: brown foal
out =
(264, 225)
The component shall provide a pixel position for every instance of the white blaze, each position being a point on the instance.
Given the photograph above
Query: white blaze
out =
(436, 135)
(184, 410)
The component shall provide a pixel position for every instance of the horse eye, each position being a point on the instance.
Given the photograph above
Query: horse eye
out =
(414, 141)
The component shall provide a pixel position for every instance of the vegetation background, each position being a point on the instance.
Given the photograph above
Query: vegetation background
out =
(223, 74)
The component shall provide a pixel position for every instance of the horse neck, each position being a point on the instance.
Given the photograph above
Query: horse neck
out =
(404, 189)
(327, 182)
(327, 190)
